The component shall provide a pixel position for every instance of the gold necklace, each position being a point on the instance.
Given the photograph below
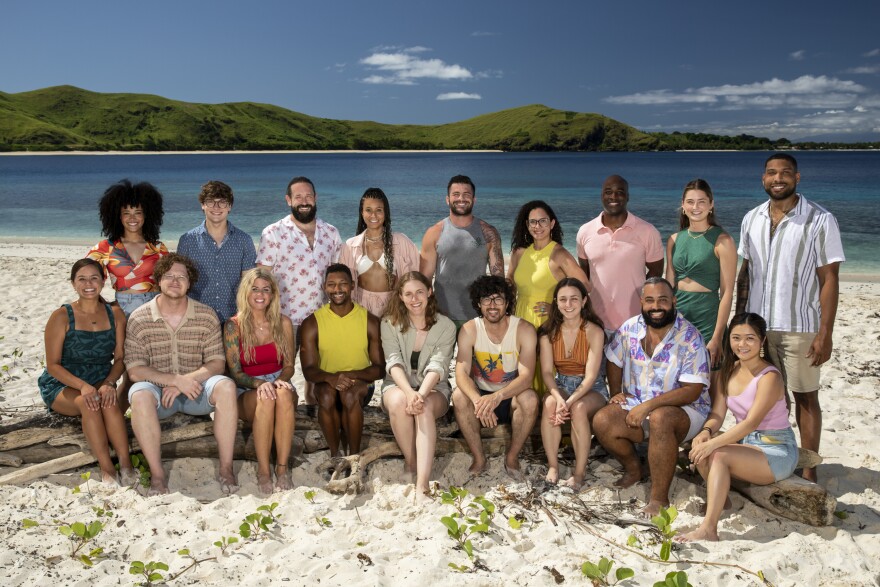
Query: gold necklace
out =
(696, 235)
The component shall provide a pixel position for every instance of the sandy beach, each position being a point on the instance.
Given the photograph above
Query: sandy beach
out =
(382, 537)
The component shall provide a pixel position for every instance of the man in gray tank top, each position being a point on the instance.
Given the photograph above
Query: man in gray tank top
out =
(456, 251)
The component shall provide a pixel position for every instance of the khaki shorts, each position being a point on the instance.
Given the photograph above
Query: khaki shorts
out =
(789, 351)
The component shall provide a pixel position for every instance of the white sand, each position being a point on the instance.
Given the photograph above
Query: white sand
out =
(406, 542)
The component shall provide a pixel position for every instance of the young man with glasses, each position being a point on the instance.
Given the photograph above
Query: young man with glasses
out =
(493, 372)
(175, 359)
(220, 251)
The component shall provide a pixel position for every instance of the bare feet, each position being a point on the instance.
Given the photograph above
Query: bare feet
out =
(629, 478)
(109, 478)
(129, 477)
(552, 475)
(423, 495)
(652, 509)
(228, 482)
(264, 481)
(511, 467)
(810, 475)
(283, 482)
(574, 482)
(698, 534)
(478, 466)
(157, 487)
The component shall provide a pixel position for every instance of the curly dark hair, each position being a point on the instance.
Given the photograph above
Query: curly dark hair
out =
(387, 240)
(164, 264)
(488, 285)
(122, 195)
(521, 238)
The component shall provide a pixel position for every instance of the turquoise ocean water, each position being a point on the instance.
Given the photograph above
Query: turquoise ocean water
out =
(56, 197)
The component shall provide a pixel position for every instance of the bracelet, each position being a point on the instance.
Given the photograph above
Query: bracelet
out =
(707, 429)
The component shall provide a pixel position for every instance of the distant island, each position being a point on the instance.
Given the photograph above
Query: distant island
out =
(66, 118)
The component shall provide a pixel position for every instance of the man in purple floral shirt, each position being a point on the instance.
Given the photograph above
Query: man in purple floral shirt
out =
(297, 250)
(658, 376)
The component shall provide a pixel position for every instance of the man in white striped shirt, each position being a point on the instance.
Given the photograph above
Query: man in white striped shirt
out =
(792, 252)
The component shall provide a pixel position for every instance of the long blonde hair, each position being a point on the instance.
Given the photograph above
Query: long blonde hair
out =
(247, 336)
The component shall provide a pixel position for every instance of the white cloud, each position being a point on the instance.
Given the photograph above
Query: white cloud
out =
(860, 108)
(416, 49)
(459, 96)
(797, 55)
(806, 91)
(872, 53)
(865, 69)
(402, 68)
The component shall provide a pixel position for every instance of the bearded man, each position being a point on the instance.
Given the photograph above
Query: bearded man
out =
(658, 375)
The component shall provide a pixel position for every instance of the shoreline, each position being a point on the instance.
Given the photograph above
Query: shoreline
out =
(72, 248)
(305, 152)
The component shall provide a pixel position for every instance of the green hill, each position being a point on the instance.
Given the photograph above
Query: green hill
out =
(69, 118)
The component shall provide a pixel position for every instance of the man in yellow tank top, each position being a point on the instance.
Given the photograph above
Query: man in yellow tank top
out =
(341, 354)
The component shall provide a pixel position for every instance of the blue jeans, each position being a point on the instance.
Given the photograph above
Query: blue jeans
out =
(568, 383)
(780, 448)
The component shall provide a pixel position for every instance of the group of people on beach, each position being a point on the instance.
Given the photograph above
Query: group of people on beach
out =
(607, 341)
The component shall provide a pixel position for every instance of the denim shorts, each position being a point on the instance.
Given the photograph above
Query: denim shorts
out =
(201, 406)
(568, 383)
(129, 302)
(271, 377)
(780, 448)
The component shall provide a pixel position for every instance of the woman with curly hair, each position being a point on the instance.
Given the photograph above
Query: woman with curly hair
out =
(571, 342)
(84, 352)
(260, 350)
(377, 257)
(130, 219)
(418, 342)
(537, 262)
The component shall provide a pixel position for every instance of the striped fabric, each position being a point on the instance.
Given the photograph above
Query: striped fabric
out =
(784, 287)
(150, 342)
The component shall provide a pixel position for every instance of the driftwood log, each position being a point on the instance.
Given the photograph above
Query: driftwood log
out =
(52, 444)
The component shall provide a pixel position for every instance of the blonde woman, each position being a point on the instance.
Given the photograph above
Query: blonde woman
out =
(260, 351)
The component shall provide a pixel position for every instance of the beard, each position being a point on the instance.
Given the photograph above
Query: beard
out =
(304, 216)
(666, 319)
(465, 212)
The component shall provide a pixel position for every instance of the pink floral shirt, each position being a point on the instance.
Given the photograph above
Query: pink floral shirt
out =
(299, 267)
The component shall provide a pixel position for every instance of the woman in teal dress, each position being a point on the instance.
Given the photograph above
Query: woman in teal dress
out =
(84, 351)
(701, 264)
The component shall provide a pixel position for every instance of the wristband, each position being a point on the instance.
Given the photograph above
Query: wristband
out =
(707, 429)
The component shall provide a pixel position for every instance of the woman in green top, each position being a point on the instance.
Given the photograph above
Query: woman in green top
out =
(701, 264)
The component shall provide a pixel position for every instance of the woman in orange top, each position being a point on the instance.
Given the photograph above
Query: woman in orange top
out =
(571, 343)
(130, 218)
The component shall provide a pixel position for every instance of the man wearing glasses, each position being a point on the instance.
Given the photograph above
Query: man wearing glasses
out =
(175, 359)
(220, 251)
(493, 372)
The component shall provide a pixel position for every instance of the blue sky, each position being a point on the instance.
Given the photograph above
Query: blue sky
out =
(775, 69)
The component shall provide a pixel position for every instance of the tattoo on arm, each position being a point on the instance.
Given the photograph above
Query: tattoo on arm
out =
(493, 242)
(232, 343)
(742, 288)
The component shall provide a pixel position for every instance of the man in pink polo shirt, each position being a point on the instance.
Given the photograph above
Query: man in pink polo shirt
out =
(618, 251)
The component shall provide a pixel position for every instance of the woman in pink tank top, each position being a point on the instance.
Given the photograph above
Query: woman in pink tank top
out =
(761, 447)
(260, 351)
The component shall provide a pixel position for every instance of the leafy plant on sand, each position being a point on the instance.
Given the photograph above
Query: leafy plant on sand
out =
(224, 543)
(151, 571)
(310, 496)
(258, 522)
(674, 579)
(598, 572)
(467, 521)
(663, 521)
(80, 535)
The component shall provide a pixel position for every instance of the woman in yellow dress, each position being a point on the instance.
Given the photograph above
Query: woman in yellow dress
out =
(537, 262)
